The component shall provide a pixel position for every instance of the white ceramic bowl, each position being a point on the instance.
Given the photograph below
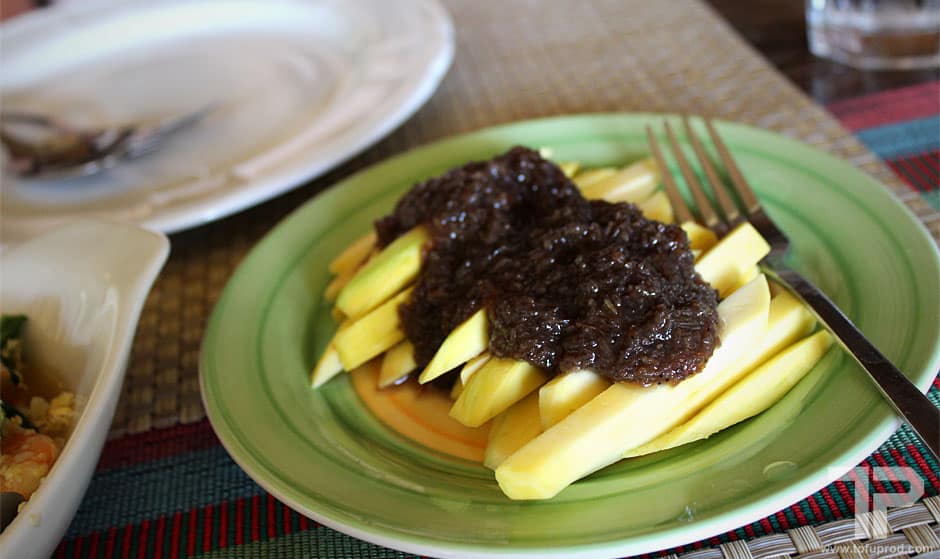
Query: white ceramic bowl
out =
(83, 287)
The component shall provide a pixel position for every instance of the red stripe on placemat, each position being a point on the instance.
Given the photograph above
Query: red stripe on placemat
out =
(798, 513)
(831, 502)
(77, 545)
(922, 465)
(175, 535)
(932, 160)
(239, 521)
(223, 524)
(126, 542)
(142, 539)
(287, 513)
(272, 522)
(158, 536)
(928, 163)
(895, 482)
(156, 444)
(191, 532)
(899, 172)
(896, 105)
(915, 171)
(109, 543)
(255, 518)
(185, 537)
(93, 546)
(207, 529)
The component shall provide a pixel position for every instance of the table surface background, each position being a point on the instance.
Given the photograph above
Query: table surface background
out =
(516, 59)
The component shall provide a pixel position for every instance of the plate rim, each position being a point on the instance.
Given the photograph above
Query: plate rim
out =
(652, 541)
(272, 182)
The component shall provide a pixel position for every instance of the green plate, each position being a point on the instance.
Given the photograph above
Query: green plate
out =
(325, 455)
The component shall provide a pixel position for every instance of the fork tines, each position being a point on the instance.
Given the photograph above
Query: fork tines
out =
(708, 212)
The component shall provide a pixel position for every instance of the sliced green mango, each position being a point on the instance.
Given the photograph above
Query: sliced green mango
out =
(327, 367)
(657, 208)
(568, 392)
(723, 266)
(397, 364)
(391, 270)
(354, 254)
(491, 390)
(569, 168)
(701, 239)
(371, 334)
(633, 183)
(466, 341)
(586, 178)
(466, 372)
(512, 429)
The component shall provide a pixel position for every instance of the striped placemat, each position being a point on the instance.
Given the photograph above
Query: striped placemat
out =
(166, 488)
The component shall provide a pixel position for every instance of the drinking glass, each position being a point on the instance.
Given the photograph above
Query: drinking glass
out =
(875, 34)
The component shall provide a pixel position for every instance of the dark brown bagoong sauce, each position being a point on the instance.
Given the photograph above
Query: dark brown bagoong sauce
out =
(567, 283)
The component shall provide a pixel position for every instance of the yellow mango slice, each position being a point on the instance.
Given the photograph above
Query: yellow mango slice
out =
(724, 265)
(327, 367)
(633, 183)
(625, 416)
(701, 238)
(466, 372)
(744, 277)
(512, 429)
(753, 394)
(385, 275)
(342, 279)
(466, 341)
(787, 321)
(354, 254)
(491, 390)
(473, 366)
(568, 392)
(657, 208)
(371, 334)
(337, 284)
(588, 177)
(569, 168)
(397, 363)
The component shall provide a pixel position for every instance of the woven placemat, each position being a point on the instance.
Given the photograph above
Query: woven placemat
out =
(515, 60)
(898, 532)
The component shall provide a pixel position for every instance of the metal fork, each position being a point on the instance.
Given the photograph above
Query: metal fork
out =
(69, 152)
(907, 400)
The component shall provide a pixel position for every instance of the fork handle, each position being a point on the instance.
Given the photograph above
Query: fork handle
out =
(918, 411)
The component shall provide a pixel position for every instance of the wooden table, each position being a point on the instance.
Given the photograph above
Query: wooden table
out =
(777, 28)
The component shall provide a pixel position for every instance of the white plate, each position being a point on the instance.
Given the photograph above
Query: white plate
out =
(297, 87)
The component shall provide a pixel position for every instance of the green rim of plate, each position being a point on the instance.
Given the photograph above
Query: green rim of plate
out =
(324, 454)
